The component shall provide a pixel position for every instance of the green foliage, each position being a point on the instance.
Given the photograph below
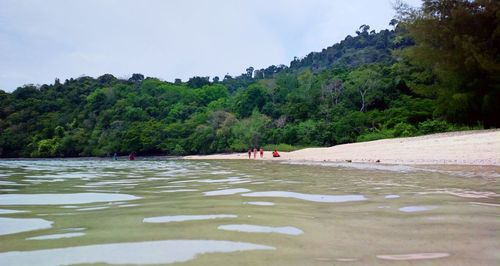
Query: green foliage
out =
(48, 148)
(365, 48)
(198, 82)
(457, 42)
(433, 126)
(376, 135)
(353, 91)
(179, 150)
(253, 98)
(282, 147)
(404, 130)
(250, 132)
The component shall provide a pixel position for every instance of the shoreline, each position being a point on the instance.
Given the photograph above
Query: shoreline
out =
(476, 147)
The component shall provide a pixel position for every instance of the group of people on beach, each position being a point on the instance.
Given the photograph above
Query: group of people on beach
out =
(131, 157)
(261, 152)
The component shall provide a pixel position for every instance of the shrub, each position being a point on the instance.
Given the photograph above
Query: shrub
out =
(433, 126)
(238, 146)
(404, 130)
(282, 147)
(179, 150)
(375, 135)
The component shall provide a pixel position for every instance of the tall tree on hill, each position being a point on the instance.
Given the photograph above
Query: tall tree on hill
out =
(459, 40)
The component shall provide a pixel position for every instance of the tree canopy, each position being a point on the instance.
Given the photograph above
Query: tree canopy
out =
(459, 42)
(437, 70)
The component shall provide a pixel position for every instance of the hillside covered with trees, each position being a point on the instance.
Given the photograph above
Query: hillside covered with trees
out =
(437, 70)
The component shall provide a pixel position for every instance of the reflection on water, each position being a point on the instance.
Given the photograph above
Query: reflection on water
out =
(417, 208)
(346, 259)
(250, 228)
(308, 197)
(4, 211)
(464, 193)
(93, 208)
(486, 204)
(183, 218)
(179, 190)
(59, 199)
(415, 256)
(8, 190)
(154, 252)
(55, 236)
(129, 205)
(9, 183)
(16, 225)
(364, 166)
(247, 212)
(260, 203)
(226, 192)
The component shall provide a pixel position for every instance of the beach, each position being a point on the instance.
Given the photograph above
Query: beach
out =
(477, 147)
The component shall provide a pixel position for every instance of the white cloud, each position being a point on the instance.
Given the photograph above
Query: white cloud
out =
(41, 40)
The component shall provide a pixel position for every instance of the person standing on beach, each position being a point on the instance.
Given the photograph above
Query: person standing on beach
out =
(250, 153)
(261, 152)
(255, 152)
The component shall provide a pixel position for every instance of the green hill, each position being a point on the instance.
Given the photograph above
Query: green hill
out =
(362, 88)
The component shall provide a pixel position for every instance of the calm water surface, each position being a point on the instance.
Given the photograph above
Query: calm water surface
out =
(63, 212)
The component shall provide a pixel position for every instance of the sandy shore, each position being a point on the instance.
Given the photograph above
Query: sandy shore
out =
(478, 147)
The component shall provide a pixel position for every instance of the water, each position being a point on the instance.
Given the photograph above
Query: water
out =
(63, 212)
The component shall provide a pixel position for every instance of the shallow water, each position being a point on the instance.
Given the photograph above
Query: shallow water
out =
(63, 212)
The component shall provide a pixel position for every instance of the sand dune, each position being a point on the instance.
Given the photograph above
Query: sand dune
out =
(478, 147)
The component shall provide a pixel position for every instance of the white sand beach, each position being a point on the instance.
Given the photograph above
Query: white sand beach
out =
(478, 147)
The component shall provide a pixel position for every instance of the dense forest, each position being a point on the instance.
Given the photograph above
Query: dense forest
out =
(436, 70)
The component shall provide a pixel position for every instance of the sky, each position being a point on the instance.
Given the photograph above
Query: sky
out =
(41, 40)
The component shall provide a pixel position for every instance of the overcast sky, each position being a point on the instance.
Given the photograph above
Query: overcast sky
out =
(47, 39)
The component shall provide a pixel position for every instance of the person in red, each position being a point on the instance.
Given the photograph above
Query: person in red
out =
(276, 154)
(250, 153)
(131, 157)
(261, 152)
(255, 152)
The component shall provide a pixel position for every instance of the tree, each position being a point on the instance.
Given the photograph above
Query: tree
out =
(458, 41)
(366, 82)
(25, 92)
(315, 101)
(254, 97)
(198, 82)
(136, 77)
(249, 72)
(258, 74)
(363, 30)
(105, 79)
(332, 90)
(250, 132)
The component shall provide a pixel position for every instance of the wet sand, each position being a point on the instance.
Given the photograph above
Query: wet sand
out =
(477, 147)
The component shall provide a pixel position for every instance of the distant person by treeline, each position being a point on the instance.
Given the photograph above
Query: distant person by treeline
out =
(416, 78)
